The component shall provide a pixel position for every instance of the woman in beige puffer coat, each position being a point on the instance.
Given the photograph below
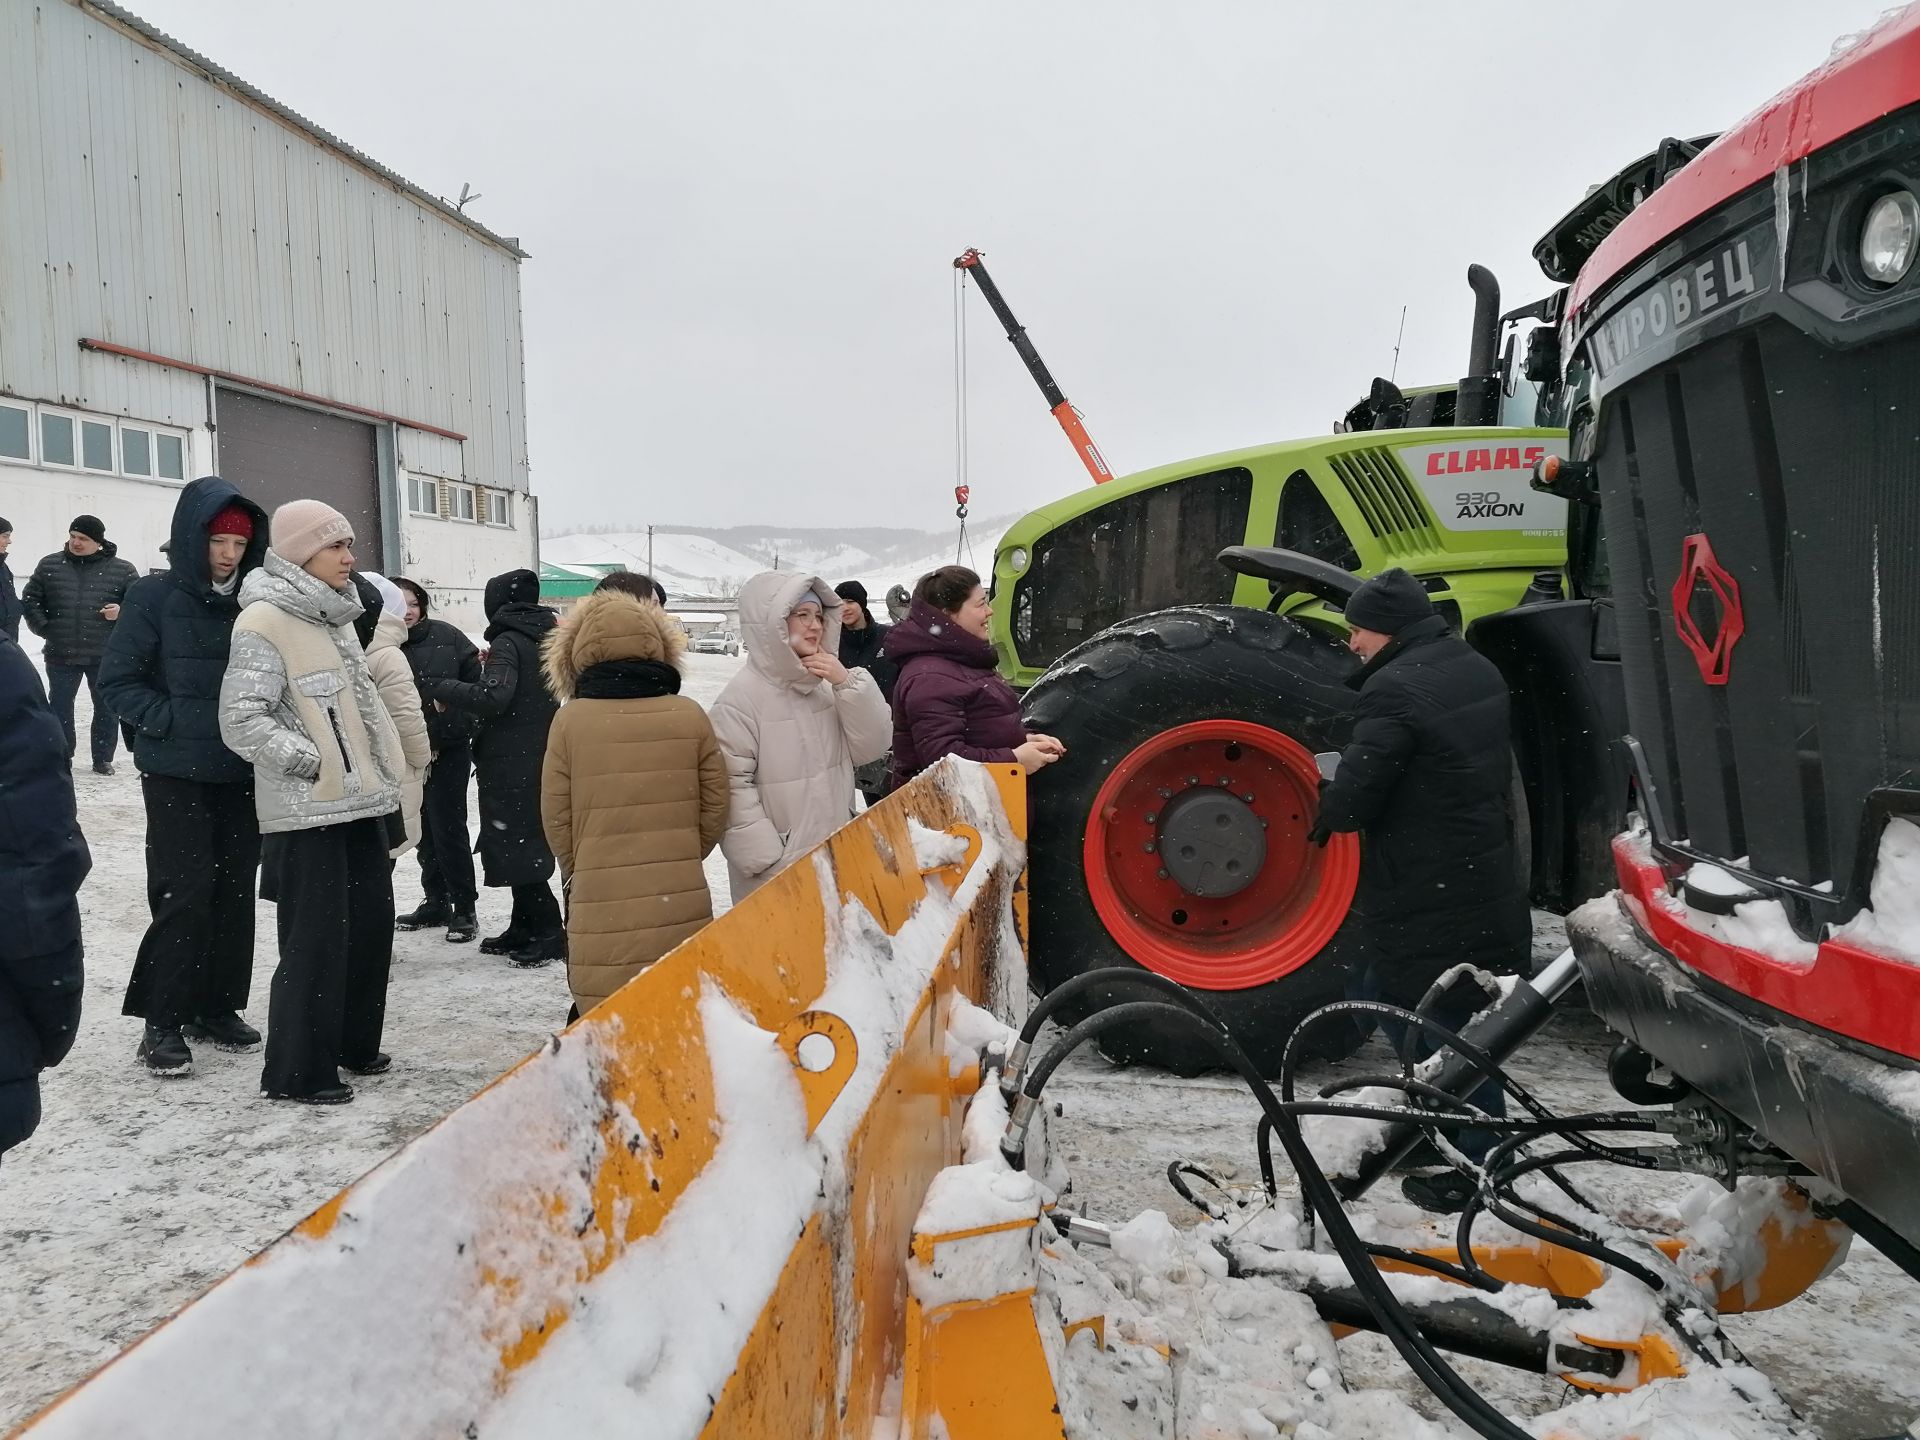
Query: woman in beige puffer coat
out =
(793, 724)
(633, 791)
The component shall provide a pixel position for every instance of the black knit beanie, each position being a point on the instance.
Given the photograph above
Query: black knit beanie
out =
(852, 590)
(1389, 603)
(91, 527)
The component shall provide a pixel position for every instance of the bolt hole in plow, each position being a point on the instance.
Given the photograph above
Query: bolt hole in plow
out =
(815, 1053)
(1218, 888)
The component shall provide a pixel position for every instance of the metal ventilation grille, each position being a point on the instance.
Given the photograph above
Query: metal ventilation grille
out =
(1385, 497)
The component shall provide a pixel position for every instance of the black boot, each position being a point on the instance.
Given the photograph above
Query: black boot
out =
(541, 950)
(225, 1032)
(425, 916)
(165, 1053)
(378, 1065)
(462, 928)
(1445, 1193)
(328, 1095)
(506, 942)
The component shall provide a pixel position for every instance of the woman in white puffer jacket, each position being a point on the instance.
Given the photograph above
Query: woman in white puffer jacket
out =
(792, 724)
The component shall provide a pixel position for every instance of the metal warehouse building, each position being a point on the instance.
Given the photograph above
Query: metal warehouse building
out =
(194, 279)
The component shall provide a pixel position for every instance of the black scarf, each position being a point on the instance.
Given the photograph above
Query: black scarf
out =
(627, 680)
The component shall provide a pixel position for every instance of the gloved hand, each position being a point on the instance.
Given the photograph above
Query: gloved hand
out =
(1318, 835)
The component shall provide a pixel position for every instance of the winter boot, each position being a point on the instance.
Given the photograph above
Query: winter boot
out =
(225, 1032)
(462, 928)
(165, 1053)
(540, 950)
(378, 1065)
(424, 916)
(1444, 1193)
(506, 942)
(327, 1095)
(104, 767)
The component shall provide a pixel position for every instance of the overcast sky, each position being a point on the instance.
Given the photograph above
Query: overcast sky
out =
(1208, 212)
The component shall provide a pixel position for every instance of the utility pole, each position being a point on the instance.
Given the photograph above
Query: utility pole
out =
(649, 552)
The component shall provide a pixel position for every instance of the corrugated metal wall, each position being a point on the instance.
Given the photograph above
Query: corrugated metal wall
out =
(142, 205)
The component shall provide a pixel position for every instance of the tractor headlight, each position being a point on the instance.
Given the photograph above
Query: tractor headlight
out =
(1017, 559)
(1889, 237)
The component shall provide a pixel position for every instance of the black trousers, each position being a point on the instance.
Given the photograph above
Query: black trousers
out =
(446, 852)
(535, 911)
(328, 1001)
(203, 847)
(63, 684)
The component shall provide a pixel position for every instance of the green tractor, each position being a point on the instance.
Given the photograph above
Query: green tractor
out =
(1180, 630)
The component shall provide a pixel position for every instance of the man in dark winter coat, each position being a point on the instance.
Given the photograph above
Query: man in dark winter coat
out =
(161, 674)
(861, 637)
(1427, 780)
(515, 710)
(43, 859)
(9, 599)
(438, 651)
(71, 602)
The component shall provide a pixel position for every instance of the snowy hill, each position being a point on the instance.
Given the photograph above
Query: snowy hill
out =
(716, 561)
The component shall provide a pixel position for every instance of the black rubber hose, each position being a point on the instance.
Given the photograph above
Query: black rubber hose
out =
(1111, 975)
(1421, 1357)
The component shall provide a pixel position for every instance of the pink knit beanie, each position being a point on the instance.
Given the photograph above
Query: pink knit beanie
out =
(301, 529)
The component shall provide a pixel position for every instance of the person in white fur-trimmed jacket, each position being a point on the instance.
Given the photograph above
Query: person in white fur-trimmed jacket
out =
(792, 724)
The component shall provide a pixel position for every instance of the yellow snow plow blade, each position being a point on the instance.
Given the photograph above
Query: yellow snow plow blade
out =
(689, 1214)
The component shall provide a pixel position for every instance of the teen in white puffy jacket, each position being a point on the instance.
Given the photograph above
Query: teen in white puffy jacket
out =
(792, 724)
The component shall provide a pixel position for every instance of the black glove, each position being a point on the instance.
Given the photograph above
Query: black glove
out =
(1319, 835)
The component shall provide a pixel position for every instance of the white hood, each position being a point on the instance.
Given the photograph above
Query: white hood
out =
(765, 601)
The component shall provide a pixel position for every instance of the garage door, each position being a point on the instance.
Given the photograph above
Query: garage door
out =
(277, 452)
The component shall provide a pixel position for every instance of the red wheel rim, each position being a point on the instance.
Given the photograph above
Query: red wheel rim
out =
(1276, 924)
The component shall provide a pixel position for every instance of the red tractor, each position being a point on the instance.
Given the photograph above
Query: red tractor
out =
(1738, 361)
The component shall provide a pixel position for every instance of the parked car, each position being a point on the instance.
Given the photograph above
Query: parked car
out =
(717, 642)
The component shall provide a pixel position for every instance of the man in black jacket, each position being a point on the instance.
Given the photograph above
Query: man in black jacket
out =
(71, 602)
(9, 600)
(515, 710)
(1427, 779)
(43, 859)
(438, 651)
(161, 674)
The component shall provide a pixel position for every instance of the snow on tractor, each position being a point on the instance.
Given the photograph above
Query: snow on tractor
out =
(1190, 620)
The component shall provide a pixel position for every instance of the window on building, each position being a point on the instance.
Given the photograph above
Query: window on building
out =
(499, 508)
(423, 495)
(460, 502)
(172, 452)
(56, 439)
(96, 445)
(136, 450)
(16, 432)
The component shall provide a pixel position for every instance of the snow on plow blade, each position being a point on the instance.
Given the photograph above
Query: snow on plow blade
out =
(690, 1214)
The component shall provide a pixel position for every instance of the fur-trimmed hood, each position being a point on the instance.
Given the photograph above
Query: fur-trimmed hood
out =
(608, 625)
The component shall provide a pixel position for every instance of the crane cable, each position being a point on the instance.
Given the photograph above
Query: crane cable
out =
(962, 489)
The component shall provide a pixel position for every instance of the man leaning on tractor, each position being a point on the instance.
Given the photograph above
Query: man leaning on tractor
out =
(1427, 779)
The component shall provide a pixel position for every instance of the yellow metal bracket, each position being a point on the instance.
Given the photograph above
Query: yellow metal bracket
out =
(823, 1073)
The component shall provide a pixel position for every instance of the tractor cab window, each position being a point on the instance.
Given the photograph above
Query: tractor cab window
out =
(1141, 552)
(1308, 524)
(1431, 407)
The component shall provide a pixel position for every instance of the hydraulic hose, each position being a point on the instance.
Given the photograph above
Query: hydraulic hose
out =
(1044, 1007)
(1395, 1323)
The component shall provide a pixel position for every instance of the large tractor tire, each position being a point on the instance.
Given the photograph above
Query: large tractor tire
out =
(1173, 836)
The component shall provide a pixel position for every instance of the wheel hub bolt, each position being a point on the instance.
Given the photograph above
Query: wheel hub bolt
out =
(1150, 817)
(1149, 847)
(1161, 873)
(1193, 779)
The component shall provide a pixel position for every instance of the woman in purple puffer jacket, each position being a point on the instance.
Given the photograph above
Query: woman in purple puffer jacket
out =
(948, 699)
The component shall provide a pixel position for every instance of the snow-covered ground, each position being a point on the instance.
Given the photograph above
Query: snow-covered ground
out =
(137, 1193)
